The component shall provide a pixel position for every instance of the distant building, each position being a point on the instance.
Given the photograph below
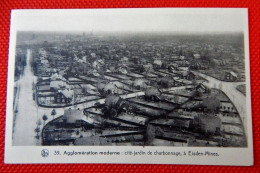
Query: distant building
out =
(147, 68)
(57, 85)
(183, 63)
(43, 88)
(57, 76)
(187, 75)
(197, 66)
(64, 96)
(50, 71)
(230, 76)
(182, 57)
(98, 64)
(107, 89)
(157, 63)
(57, 82)
(124, 60)
(142, 61)
(93, 55)
(173, 67)
(95, 73)
(227, 106)
(44, 61)
(202, 88)
(196, 56)
(122, 69)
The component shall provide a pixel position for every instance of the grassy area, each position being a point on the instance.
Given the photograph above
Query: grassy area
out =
(242, 89)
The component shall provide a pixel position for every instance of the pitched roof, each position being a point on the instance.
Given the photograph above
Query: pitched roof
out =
(139, 82)
(57, 84)
(153, 91)
(157, 62)
(233, 73)
(57, 76)
(67, 93)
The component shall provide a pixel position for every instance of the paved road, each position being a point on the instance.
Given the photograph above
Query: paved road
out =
(229, 88)
(28, 111)
(25, 121)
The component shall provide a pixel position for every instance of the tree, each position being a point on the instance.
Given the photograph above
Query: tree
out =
(150, 134)
(39, 122)
(211, 103)
(194, 83)
(159, 131)
(45, 118)
(37, 130)
(53, 113)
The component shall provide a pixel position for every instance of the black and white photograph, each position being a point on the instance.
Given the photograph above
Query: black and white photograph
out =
(136, 78)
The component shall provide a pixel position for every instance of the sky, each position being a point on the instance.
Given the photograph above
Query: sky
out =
(132, 20)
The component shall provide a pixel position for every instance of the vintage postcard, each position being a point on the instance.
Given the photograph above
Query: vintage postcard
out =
(162, 85)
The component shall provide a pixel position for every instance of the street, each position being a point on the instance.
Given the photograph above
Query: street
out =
(229, 88)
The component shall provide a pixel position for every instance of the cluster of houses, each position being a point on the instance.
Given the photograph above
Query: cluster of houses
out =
(76, 72)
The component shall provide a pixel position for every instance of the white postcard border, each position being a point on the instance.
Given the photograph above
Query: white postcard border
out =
(32, 154)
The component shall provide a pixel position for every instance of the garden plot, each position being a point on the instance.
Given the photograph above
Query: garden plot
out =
(162, 142)
(200, 143)
(183, 114)
(159, 73)
(135, 75)
(73, 79)
(95, 110)
(181, 92)
(86, 98)
(146, 111)
(119, 76)
(45, 94)
(132, 118)
(233, 129)
(110, 78)
(123, 86)
(76, 86)
(96, 116)
(219, 95)
(191, 104)
(165, 71)
(95, 80)
(159, 105)
(173, 99)
(117, 132)
(235, 138)
(183, 81)
(171, 122)
(149, 75)
(125, 138)
(229, 119)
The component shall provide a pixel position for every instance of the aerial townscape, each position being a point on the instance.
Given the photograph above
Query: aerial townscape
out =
(129, 89)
